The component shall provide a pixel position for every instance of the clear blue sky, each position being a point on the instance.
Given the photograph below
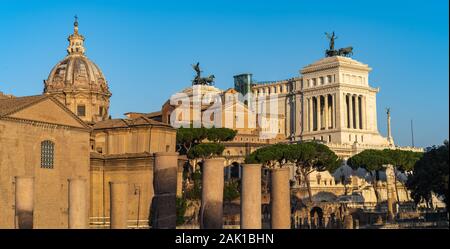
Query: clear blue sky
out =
(145, 49)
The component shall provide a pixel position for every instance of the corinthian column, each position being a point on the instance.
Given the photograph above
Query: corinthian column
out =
(251, 196)
(24, 201)
(78, 214)
(280, 199)
(211, 212)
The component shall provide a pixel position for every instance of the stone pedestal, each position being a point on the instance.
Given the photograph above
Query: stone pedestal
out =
(118, 203)
(165, 172)
(251, 196)
(78, 214)
(280, 199)
(348, 221)
(211, 212)
(24, 201)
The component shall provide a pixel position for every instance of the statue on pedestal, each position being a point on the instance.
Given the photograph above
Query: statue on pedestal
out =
(198, 80)
(348, 51)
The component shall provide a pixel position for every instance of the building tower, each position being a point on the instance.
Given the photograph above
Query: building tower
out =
(78, 83)
(242, 83)
(339, 105)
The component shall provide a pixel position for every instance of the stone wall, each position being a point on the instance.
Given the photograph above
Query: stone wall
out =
(20, 155)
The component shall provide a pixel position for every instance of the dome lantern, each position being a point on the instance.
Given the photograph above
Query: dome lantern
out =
(75, 40)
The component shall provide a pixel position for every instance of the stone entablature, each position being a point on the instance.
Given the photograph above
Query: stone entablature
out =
(333, 62)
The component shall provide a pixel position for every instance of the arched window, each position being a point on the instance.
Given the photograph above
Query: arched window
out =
(47, 154)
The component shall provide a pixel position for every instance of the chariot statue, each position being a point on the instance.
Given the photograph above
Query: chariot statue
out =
(198, 80)
(347, 52)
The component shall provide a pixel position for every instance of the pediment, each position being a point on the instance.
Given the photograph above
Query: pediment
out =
(49, 111)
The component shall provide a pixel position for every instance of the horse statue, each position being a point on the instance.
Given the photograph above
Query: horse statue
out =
(209, 80)
(348, 51)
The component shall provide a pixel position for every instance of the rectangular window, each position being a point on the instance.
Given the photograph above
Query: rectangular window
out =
(47, 154)
(321, 79)
(81, 110)
(329, 79)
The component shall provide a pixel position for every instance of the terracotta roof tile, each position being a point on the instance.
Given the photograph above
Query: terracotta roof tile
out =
(126, 123)
(11, 105)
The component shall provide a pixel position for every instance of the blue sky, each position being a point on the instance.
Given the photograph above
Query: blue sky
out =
(145, 49)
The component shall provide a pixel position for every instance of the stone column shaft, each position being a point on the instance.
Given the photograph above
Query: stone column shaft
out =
(24, 201)
(251, 196)
(78, 213)
(119, 205)
(350, 104)
(339, 111)
(348, 221)
(280, 199)
(325, 113)
(357, 112)
(390, 181)
(211, 212)
(181, 163)
(310, 114)
(165, 175)
(364, 112)
(319, 116)
(333, 111)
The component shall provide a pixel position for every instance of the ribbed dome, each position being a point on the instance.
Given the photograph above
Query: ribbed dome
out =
(76, 72)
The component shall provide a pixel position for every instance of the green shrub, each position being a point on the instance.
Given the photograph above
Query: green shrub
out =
(231, 190)
(206, 150)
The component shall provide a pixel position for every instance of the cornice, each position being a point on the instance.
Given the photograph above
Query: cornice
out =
(43, 124)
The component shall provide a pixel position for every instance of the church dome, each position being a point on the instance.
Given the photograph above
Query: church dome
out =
(78, 83)
(76, 72)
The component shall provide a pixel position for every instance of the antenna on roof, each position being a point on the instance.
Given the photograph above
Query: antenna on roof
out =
(412, 134)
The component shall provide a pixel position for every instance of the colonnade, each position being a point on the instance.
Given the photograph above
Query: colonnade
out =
(25, 202)
(355, 111)
(321, 112)
(271, 89)
(164, 202)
